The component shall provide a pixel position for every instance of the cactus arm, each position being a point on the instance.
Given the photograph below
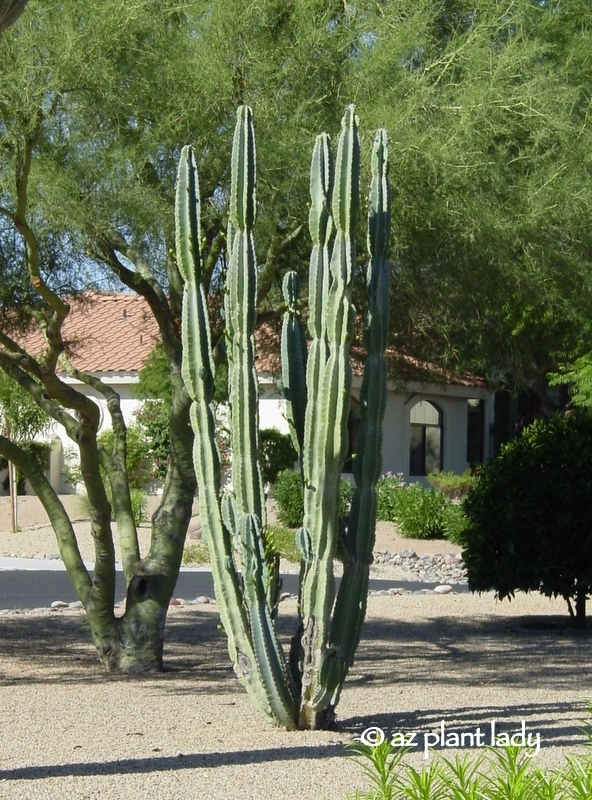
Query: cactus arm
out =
(294, 357)
(350, 605)
(259, 575)
(269, 656)
(329, 387)
(197, 369)
(240, 322)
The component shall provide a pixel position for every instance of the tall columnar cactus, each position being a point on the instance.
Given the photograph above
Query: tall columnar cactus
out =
(234, 522)
(317, 386)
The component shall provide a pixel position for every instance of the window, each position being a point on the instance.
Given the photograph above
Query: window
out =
(425, 451)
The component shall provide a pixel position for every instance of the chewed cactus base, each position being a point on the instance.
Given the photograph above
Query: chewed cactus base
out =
(303, 690)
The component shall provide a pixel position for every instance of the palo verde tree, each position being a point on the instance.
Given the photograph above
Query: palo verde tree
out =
(301, 691)
(488, 105)
(95, 100)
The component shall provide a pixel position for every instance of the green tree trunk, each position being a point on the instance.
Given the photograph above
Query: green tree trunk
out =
(131, 643)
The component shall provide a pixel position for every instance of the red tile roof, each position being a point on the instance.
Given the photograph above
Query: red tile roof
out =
(106, 333)
(401, 367)
(116, 333)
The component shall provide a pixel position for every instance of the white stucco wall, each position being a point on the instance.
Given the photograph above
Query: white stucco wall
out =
(272, 406)
(123, 384)
(451, 400)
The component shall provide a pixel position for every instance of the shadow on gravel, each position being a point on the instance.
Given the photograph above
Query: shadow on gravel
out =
(442, 652)
(557, 728)
(449, 651)
(132, 766)
(57, 648)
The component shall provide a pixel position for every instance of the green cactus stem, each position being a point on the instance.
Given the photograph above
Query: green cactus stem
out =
(329, 390)
(247, 619)
(350, 607)
(317, 387)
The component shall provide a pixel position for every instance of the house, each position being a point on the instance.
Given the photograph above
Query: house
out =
(432, 420)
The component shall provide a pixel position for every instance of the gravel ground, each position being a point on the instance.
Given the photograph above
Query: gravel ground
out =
(69, 730)
(36, 538)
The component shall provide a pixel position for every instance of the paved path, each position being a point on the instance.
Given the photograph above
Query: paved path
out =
(37, 583)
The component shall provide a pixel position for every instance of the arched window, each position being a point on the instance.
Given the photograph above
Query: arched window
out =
(425, 451)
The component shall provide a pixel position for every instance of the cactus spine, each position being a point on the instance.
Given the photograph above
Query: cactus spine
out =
(317, 388)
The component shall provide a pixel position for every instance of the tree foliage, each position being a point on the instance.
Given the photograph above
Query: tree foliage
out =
(26, 420)
(488, 107)
(96, 100)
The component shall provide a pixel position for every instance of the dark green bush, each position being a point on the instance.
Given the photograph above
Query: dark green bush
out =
(289, 498)
(529, 516)
(277, 453)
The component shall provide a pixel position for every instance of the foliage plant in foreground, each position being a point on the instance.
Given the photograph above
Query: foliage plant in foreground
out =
(302, 690)
(495, 774)
(530, 515)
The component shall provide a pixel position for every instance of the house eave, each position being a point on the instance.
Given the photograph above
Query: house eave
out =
(108, 378)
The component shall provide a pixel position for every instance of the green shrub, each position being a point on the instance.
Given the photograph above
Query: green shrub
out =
(452, 485)
(153, 421)
(454, 522)
(277, 453)
(196, 553)
(289, 498)
(529, 516)
(388, 488)
(138, 466)
(419, 513)
(283, 542)
(139, 500)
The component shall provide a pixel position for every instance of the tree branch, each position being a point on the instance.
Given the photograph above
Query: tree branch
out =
(66, 537)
